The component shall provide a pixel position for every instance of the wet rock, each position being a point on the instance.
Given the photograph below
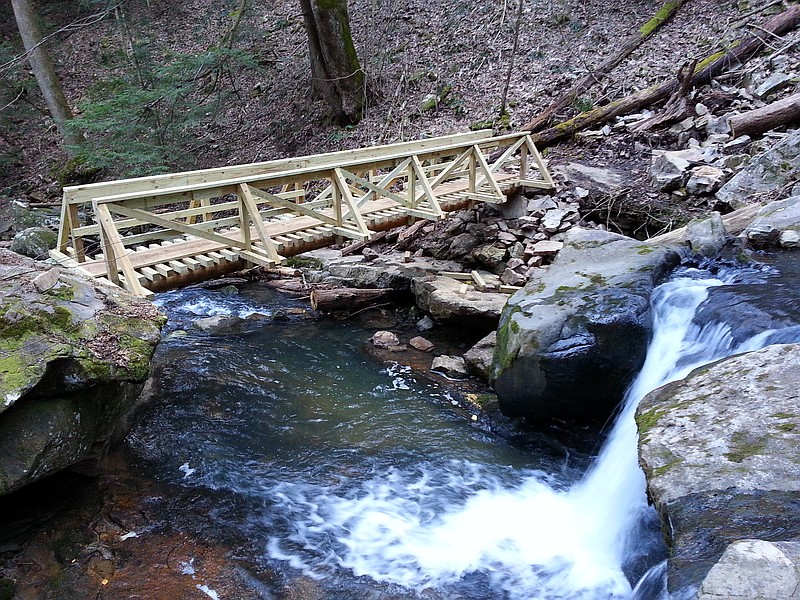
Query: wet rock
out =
(425, 324)
(568, 342)
(766, 172)
(384, 339)
(75, 358)
(704, 179)
(479, 357)
(442, 297)
(707, 237)
(421, 343)
(772, 221)
(218, 324)
(719, 452)
(453, 367)
(34, 242)
(754, 569)
(789, 239)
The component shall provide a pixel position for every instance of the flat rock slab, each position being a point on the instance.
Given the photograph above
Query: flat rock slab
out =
(444, 298)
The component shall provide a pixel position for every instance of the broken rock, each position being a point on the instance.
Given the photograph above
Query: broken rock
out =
(704, 179)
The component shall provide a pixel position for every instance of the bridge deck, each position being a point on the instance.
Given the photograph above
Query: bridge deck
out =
(158, 233)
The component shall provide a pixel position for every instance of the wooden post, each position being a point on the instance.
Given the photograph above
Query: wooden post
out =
(523, 161)
(473, 162)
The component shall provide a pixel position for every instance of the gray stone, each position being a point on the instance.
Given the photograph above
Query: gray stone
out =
(479, 357)
(425, 324)
(489, 256)
(704, 179)
(511, 277)
(751, 569)
(603, 181)
(546, 248)
(539, 206)
(75, 359)
(789, 239)
(441, 297)
(773, 83)
(553, 218)
(453, 367)
(718, 125)
(707, 237)
(218, 324)
(772, 221)
(668, 171)
(46, 280)
(738, 144)
(567, 342)
(384, 339)
(34, 242)
(770, 170)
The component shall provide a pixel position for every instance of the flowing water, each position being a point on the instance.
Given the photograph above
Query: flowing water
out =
(360, 476)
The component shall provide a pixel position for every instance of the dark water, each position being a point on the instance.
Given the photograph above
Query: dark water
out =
(332, 464)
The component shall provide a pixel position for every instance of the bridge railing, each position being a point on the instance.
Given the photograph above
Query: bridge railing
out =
(237, 207)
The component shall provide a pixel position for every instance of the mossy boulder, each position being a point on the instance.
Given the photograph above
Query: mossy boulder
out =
(719, 450)
(34, 242)
(567, 344)
(74, 355)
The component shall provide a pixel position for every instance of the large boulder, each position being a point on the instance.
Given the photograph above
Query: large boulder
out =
(719, 450)
(765, 173)
(568, 344)
(34, 242)
(74, 355)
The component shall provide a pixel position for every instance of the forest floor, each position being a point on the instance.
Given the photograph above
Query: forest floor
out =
(411, 50)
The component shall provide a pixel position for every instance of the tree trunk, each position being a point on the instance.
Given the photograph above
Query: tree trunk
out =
(348, 298)
(754, 122)
(45, 73)
(605, 67)
(739, 54)
(336, 72)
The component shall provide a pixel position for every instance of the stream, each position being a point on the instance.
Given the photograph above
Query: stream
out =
(326, 473)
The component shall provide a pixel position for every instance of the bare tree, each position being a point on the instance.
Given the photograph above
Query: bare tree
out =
(337, 74)
(45, 72)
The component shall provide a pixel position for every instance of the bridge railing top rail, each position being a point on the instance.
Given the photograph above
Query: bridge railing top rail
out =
(80, 194)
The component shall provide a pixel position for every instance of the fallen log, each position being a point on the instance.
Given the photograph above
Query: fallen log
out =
(328, 300)
(358, 246)
(709, 68)
(734, 222)
(754, 122)
(604, 68)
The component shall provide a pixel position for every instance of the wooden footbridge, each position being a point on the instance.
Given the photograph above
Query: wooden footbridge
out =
(158, 233)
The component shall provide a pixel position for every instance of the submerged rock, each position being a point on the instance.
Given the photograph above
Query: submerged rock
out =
(719, 450)
(74, 359)
(568, 343)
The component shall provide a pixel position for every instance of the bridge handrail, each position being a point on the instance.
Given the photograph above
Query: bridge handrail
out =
(80, 194)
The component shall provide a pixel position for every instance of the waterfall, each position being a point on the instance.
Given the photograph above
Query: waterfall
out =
(535, 539)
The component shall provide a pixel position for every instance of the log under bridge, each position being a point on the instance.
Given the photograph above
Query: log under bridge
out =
(163, 232)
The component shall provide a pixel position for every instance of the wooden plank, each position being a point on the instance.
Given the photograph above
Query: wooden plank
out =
(488, 175)
(116, 249)
(180, 227)
(480, 282)
(263, 235)
(301, 209)
(457, 275)
(354, 214)
(150, 273)
(436, 210)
